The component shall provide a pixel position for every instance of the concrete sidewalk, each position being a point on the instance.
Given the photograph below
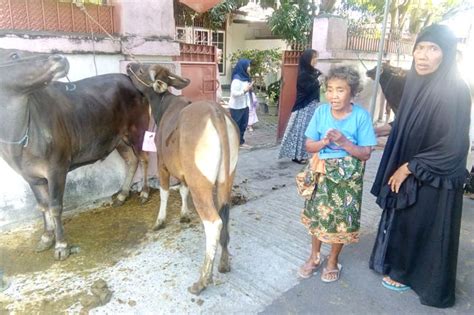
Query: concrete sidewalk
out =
(359, 290)
(267, 244)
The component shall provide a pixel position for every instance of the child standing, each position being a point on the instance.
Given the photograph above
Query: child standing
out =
(253, 119)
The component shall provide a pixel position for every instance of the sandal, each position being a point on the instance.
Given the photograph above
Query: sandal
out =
(310, 267)
(391, 284)
(302, 161)
(326, 275)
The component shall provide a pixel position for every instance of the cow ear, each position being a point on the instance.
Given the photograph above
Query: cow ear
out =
(178, 82)
(160, 86)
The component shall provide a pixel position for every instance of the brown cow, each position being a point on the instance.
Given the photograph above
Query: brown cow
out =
(50, 128)
(197, 143)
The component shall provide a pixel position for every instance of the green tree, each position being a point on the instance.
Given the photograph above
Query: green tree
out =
(417, 13)
(293, 21)
(264, 62)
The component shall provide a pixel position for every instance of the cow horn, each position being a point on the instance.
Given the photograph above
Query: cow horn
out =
(152, 74)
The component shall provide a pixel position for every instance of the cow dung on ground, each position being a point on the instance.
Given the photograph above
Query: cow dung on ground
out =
(103, 236)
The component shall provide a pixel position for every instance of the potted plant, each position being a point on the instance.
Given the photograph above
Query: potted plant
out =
(273, 98)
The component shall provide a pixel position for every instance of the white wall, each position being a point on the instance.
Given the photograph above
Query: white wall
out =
(148, 29)
(242, 36)
(235, 40)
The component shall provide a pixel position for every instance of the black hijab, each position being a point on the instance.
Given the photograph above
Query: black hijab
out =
(307, 84)
(431, 130)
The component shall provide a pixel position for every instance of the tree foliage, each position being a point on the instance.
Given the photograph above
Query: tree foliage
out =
(404, 14)
(292, 21)
(264, 62)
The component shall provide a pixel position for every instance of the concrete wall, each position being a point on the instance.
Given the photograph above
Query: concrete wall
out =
(150, 40)
(235, 40)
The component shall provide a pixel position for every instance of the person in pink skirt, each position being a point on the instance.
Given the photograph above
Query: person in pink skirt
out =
(253, 118)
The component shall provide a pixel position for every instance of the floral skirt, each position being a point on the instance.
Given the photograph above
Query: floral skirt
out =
(333, 212)
(293, 142)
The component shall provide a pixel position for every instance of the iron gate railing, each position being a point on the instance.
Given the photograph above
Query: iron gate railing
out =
(289, 74)
(54, 16)
(198, 63)
(368, 41)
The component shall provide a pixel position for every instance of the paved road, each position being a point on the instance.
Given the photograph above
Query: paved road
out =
(268, 244)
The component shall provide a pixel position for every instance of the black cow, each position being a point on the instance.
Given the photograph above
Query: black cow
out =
(392, 80)
(50, 128)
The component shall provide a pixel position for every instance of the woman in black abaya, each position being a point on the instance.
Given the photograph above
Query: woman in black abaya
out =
(307, 99)
(419, 183)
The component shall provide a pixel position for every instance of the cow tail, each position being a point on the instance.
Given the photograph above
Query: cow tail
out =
(223, 189)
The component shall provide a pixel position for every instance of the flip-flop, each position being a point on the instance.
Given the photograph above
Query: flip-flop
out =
(326, 271)
(399, 288)
(306, 273)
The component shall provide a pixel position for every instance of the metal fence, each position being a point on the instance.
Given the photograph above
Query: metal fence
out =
(368, 40)
(198, 63)
(54, 16)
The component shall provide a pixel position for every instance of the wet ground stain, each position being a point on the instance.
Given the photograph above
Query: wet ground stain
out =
(103, 235)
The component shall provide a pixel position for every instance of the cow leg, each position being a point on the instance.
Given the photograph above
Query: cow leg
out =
(42, 197)
(127, 153)
(223, 201)
(184, 192)
(145, 193)
(56, 184)
(164, 194)
(203, 201)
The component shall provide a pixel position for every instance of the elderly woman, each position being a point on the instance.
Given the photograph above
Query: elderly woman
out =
(341, 133)
(419, 183)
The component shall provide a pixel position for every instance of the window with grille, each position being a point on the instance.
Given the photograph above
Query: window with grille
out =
(218, 40)
(203, 36)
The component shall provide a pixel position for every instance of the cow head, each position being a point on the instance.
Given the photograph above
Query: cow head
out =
(154, 76)
(372, 72)
(25, 71)
(388, 69)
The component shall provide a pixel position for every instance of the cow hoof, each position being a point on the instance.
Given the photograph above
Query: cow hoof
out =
(223, 268)
(118, 203)
(159, 225)
(196, 288)
(62, 253)
(185, 219)
(44, 244)
(144, 197)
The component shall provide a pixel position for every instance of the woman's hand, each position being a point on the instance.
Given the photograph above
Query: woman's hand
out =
(249, 86)
(360, 152)
(397, 179)
(334, 135)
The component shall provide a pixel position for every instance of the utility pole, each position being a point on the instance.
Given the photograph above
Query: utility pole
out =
(379, 60)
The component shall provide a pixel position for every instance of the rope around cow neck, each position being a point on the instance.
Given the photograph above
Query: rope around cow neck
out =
(139, 80)
(24, 140)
